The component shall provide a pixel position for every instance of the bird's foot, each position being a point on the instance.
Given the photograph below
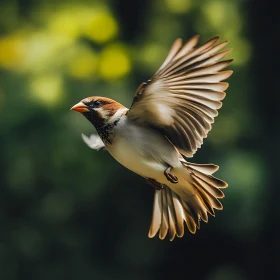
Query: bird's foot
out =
(169, 176)
(155, 184)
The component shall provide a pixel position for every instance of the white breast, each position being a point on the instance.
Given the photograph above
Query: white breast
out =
(142, 150)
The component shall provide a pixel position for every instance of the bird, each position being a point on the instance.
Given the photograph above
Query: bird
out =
(170, 115)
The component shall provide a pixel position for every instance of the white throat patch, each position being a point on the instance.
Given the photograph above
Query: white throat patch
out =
(117, 115)
(103, 113)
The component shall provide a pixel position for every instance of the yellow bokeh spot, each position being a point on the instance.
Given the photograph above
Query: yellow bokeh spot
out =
(96, 23)
(83, 64)
(114, 62)
(217, 15)
(215, 12)
(178, 6)
(47, 89)
(102, 27)
(11, 51)
(65, 22)
(44, 50)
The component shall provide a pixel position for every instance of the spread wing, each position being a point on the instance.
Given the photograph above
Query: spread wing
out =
(182, 98)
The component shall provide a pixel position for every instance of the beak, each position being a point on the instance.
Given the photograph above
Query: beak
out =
(80, 107)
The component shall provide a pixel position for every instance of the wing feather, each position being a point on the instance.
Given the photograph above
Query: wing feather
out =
(183, 97)
(192, 58)
(173, 51)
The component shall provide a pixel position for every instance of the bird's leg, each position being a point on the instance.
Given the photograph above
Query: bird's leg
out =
(169, 176)
(155, 184)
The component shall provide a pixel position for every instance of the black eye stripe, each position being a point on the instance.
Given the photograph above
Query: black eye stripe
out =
(97, 103)
(94, 104)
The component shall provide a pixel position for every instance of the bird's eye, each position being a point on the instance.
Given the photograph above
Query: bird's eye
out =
(97, 103)
(94, 104)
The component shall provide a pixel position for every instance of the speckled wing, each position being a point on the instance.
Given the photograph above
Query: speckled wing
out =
(182, 98)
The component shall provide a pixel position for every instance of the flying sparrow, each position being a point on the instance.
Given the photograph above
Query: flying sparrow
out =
(170, 115)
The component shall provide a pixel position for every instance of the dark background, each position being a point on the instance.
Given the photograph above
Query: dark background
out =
(67, 212)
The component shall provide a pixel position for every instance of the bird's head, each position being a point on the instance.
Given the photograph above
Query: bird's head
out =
(100, 110)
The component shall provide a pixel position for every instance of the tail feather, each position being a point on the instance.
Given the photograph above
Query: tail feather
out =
(179, 213)
(171, 209)
(211, 180)
(165, 225)
(168, 214)
(205, 200)
(208, 169)
(171, 214)
(208, 188)
(157, 214)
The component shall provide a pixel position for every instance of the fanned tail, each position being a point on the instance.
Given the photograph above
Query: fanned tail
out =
(191, 202)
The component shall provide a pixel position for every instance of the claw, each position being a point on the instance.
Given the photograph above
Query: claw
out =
(169, 176)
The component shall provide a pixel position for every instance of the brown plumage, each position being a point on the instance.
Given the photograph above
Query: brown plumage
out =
(169, 117)
(109, 106)
(188, 86)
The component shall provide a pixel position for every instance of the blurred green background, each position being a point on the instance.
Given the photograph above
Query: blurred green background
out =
(67, 212)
